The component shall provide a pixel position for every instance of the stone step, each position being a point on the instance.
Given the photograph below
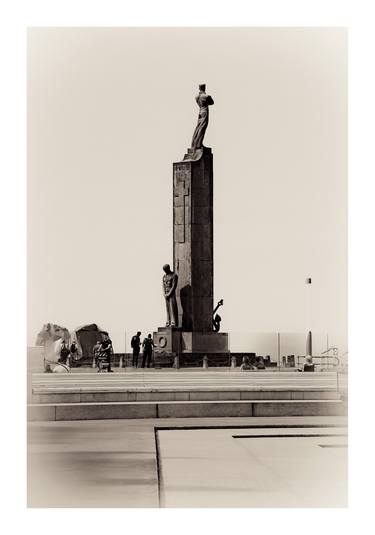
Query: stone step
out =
(90, 394)
(184, 409)
(180, 386)
(187, 378)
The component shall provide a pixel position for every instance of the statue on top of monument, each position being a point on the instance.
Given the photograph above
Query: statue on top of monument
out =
(170, 280)
(203, 102)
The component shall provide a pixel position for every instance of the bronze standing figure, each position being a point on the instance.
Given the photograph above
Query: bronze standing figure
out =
(170, 280)
(203, 102)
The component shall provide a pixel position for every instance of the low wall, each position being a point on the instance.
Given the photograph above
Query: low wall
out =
(35, 361)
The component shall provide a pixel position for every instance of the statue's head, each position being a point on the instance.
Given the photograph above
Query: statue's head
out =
(167, 268)
(139, 333)
(202, 87)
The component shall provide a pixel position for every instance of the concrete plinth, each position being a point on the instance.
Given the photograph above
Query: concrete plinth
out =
(167, 340)
(204, 342)
(170, 342)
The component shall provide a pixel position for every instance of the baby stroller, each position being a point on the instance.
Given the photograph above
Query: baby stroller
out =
(102, 361)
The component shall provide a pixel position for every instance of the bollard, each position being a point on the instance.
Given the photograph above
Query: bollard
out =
(233, 362)
(205, 362)
(120, 362)
(176, 362)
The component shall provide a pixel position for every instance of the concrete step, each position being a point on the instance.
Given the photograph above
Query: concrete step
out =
(184, 409)
(83, 395)
(181, 386)
(264, 380)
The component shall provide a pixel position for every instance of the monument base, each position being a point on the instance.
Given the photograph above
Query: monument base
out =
(190, 347)
(175, 340)
(204, 342)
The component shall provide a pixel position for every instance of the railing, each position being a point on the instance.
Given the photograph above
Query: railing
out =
(326, 360)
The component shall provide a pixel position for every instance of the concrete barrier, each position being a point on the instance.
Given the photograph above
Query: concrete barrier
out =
(183, 409)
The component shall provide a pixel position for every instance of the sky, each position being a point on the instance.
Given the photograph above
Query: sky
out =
(110, 110)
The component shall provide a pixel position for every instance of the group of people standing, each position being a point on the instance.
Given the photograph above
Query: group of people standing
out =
(147, 350)
(68, 352)
(103, 351)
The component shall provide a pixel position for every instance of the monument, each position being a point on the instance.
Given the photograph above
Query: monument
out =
(188, 289)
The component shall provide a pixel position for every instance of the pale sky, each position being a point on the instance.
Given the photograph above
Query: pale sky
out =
(110, 110)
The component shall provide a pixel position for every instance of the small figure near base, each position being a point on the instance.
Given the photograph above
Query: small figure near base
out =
(309, 366)
(170, 280)
(136, 345)
(148, 346)
(105, 353)
(216, 320)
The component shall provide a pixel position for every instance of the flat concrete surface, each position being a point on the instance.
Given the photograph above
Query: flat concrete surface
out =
(114, 463)
(299, 467)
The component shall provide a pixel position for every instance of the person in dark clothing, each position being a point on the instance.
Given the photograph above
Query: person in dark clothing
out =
(107, 349)
(74, 350)
(136, 345)
(64, 354)
(96, 351)
(147, 345)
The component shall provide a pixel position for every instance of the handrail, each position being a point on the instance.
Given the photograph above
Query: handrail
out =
(325, 358)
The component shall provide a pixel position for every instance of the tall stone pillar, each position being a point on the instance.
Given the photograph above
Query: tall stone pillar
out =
(193, 239)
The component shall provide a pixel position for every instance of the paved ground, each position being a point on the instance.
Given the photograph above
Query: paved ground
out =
(299, 467)
(114, 463)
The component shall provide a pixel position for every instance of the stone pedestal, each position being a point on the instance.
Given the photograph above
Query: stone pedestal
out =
(193, 260)
(167, 340)
(175, 341)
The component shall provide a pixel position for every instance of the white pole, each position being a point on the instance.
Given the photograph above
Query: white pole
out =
(308, 318)
(125, 349)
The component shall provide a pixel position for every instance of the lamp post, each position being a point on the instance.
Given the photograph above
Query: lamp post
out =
(308, 282)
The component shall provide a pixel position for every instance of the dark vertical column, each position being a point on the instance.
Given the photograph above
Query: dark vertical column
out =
(193, 239)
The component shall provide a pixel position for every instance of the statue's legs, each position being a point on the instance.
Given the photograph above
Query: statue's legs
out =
(174, 310)
(168, 313)
(200, 130)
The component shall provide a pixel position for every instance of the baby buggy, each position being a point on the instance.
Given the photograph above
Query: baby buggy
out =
(102, 361)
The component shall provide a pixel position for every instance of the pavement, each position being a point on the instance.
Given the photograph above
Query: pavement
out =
(187, 462)
(282, 467)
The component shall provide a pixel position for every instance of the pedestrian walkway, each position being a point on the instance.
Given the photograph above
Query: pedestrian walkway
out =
(116, 463)
(255, 467)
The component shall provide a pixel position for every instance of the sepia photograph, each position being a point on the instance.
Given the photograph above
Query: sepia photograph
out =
(187, 272)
